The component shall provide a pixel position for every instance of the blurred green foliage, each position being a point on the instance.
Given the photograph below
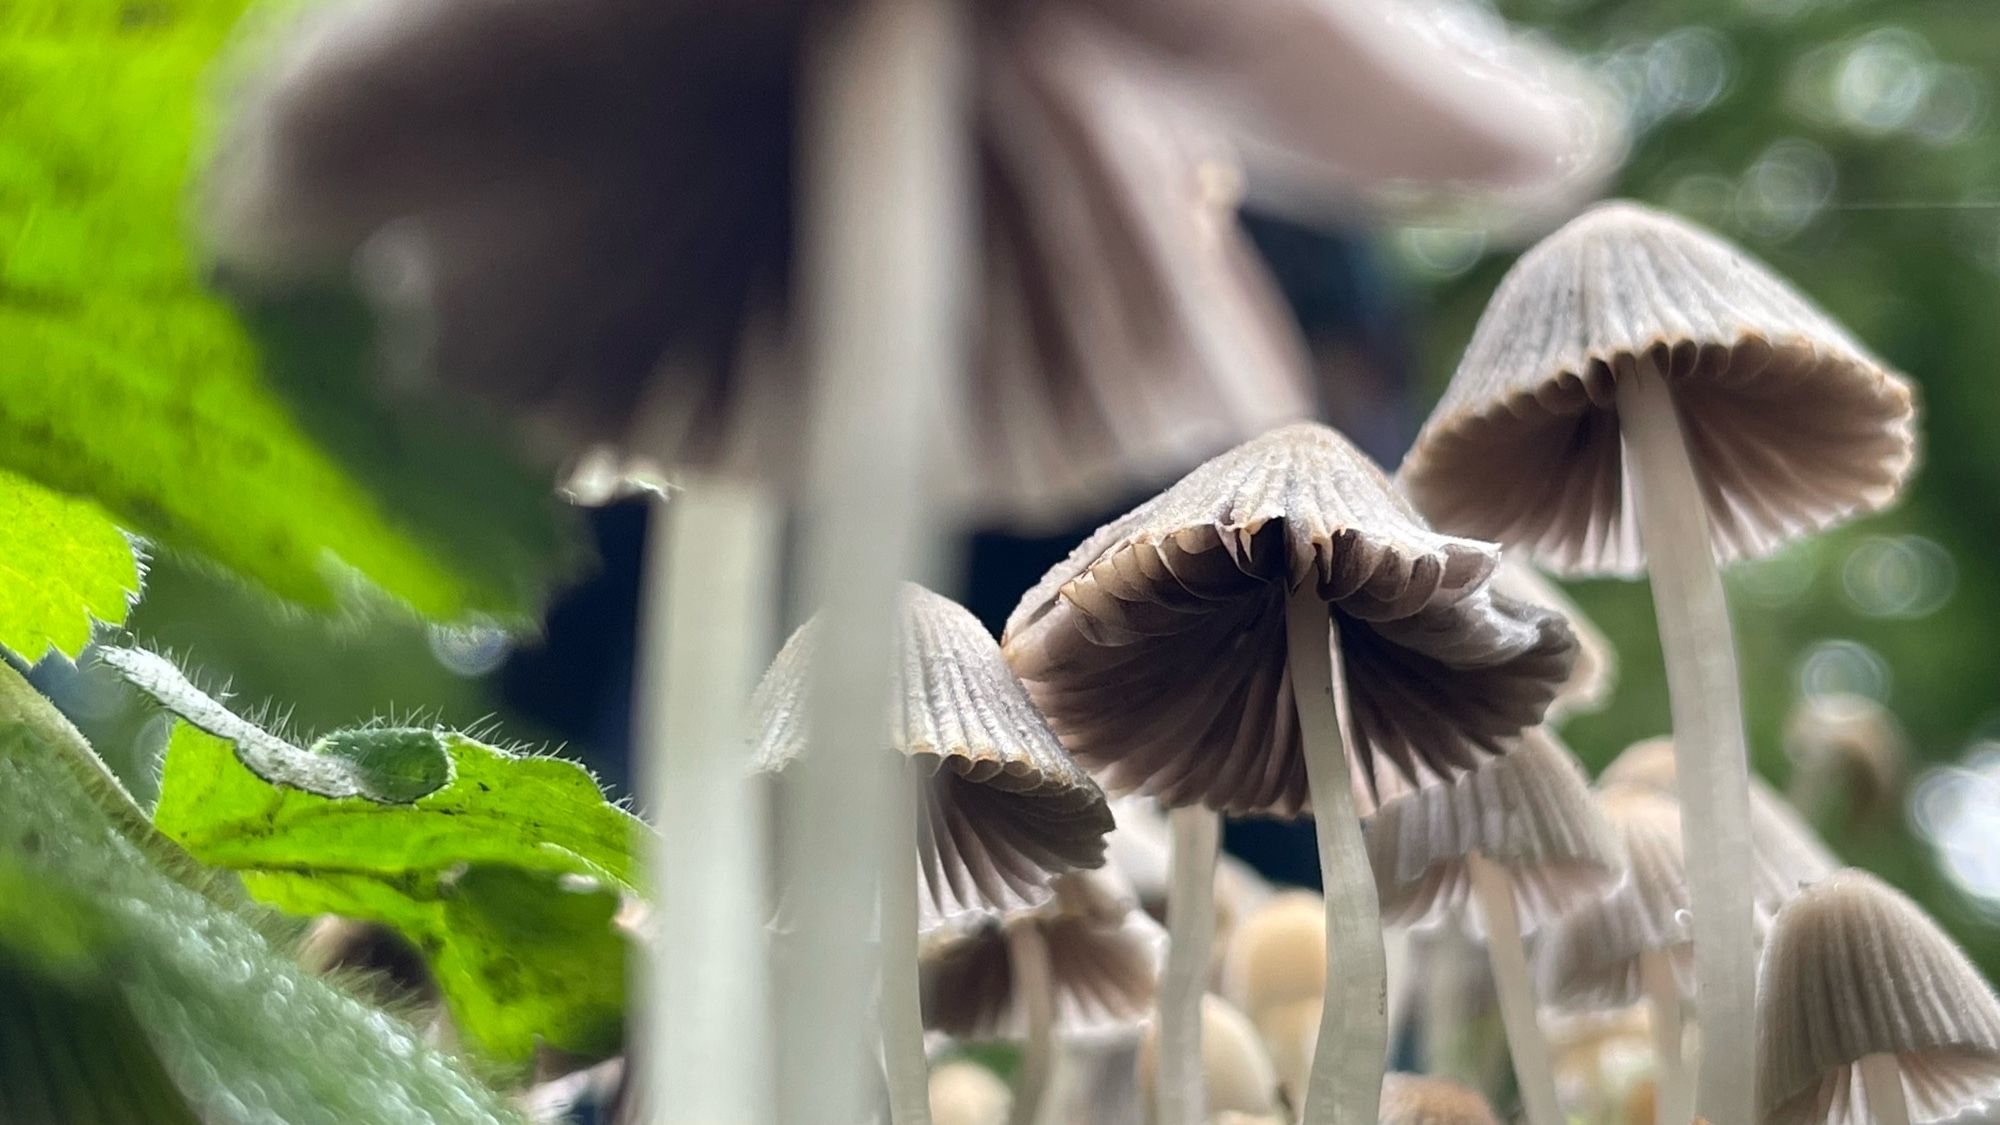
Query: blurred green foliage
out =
(1853, 145)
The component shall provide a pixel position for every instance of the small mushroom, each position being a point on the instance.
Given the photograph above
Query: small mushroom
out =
(1236, 1072)
(1634, 943)
(998, 808)
(1275, 971)
(965, 1093)
(1596, 672)
(1141, 849)
(1848, 753)
(1412, 1099)
(1086, 963)
(1520, 840)
(1870, 1013)
(1167, 648)
(1640, 391)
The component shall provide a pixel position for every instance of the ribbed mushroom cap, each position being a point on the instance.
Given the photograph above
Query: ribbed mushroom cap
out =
(1531, 812)
(1414, 1099)
(1157, 649)
(1006, 809)
(1589, 958)
(1104, 960)
(1853, 968)
(1786, 852)
(1238, 1073)
(1596, 672)
(1792, 426)
(1277, 955)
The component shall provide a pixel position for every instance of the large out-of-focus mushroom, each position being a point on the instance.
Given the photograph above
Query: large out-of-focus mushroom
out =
(1638, 391)
(997, 808)
(1849, 758)
(1187, 650)
(1235, 1070)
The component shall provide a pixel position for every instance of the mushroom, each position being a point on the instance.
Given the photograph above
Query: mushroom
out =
(1165, 651)
(1869, 1013)
(1141, 849)
(1785, 853)
(1632, 355)
(1275, 971)
(965, 1093)
(1596, 671)
(1412, 1099)
(1084, 964)
(1236, 1073)
(1002, 808)
(1847, 751)
(1520, 841)
(1634, 943)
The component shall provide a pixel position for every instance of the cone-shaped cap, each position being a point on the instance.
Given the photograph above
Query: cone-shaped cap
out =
(1277, 955)
(1853, 968)
(1414, 1099)
(1006, 808)
(1238, 1072)
(1531, 812)
(1596, 672)
(1786, 852)
(1104, 957)
(1157, 649)
(1589, 958)
(1792, 426)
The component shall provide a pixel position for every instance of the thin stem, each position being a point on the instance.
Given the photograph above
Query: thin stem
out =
(902, 1009)
(1345, 1087)
(1672, 1097)
(710, 569)
(1710, 757)
(1197, 837)
(886, 243)
(1882, 1082)
(1493, 890)
(1034, 983)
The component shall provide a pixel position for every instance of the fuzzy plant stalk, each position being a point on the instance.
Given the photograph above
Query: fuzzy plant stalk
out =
(1882, 1085)
(902, 1010)
(1534, 1073)
(887, 237)
(1345, 1085)
(1034, 982)
(1196, 837)
(1711, 761)
(1672, 1092)
(709, 583)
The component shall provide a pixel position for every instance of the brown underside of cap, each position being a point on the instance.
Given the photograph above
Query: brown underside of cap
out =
(1596, 673)
(1791, 425)
(1853, 968)
(1005, 808)
(1589, 958)
(1157, 649)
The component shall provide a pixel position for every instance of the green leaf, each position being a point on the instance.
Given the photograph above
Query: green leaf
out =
(61, 564)
(125, 381)
(141, 981)
(504, 869)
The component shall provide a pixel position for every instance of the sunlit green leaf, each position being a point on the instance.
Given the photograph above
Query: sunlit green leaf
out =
(61, 564)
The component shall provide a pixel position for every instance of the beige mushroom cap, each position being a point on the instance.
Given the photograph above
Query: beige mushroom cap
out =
(1531, 812)
(1104, 959)
(1411, 1099)
(1792, 425)
(1157, 648)
(1853, 968)
(965, 1093)
(1238, 1073)
(1590, 957)
(1277, 955)
(1006, 809)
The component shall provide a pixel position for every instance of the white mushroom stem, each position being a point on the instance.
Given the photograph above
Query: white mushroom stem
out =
(709, 581)
(902, 1010)
(1882, 1083)
(1711, 762)
(1196, 838)
(1034, 983)
(1672, 1096)
(1493, 890)
(1345, 1087)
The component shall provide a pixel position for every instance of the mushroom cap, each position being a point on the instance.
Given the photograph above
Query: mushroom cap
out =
(1239, 1074)
(1157, 649)
(1005, 809)
(1848, 743)
(1589, 958)
(1596, 673)
(1786, 853)
(1414, 1099)
(1277, 955)
(965, 1093)
(1792, 426)
(1290, 1032)
(1854, 968)
(1530, 811)
(1104, 960)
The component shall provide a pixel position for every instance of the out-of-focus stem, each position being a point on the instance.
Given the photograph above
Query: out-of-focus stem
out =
(1882, 1083)
(902, 1013)
(1672, 1096)
(1181, 1096)
(1034, 982)
(1493, 889)
(710, 584)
